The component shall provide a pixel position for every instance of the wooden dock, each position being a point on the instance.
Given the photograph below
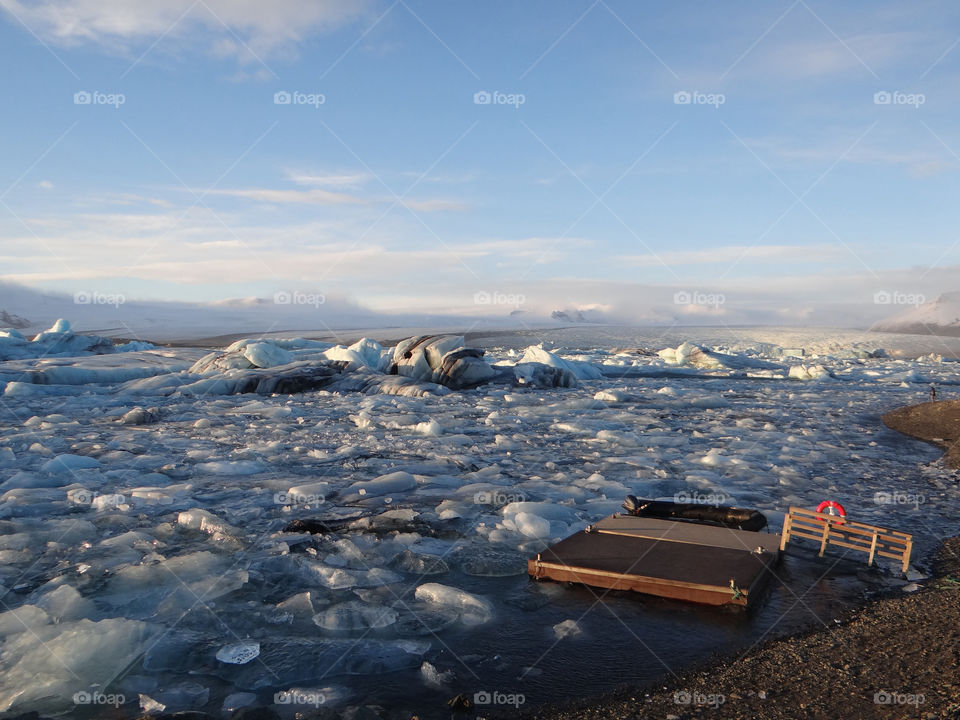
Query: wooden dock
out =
(668, 558)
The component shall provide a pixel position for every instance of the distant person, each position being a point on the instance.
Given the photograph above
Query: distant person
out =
(933, 393)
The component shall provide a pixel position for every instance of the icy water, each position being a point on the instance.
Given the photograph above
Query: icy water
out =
(141, 552)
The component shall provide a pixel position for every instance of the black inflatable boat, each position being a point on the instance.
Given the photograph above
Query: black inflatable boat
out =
(720, 515)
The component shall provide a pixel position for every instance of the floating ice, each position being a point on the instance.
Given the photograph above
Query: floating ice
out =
(580, 370)
(69, 463)
(238, 653)
(395, 482)
(44, 668)
(434, 678)
(355, 616)
(266, 355)
(567, 629)
(473, 609)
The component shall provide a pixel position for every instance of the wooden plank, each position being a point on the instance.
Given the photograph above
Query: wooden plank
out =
(687, 532)
(690, 592)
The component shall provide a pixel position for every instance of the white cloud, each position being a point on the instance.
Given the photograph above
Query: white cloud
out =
(235, 28)
(328, 179)
(305, 197)
(737, 254)
(45, 185)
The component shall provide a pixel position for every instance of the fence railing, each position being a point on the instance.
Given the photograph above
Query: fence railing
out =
(835, 530)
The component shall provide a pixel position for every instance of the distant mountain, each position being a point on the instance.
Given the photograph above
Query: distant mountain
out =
(578, 316)
(9, 320)
(937, 317)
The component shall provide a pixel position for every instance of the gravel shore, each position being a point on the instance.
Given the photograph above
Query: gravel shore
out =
(898, 657)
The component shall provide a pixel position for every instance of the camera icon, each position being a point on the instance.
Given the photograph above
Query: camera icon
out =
(282, 298)
(282, 98)
(882, 498)
(882, 698)
(682, 298)
(882, 98)
(481, 298)
(882, 297)
(284, 697)
(82, 98)
(682, 98)
(482, 98)
(682, 697)
(482, 698)
(81, 298)
(82, 698)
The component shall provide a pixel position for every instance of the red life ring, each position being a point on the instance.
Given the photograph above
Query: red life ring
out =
(832, 506)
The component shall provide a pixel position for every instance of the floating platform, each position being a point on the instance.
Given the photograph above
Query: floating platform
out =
(668, 558)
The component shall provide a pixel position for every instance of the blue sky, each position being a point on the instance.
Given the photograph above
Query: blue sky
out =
(786, 184)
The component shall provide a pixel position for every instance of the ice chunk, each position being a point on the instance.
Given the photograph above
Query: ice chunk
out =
(25, 617)
(266, 355)
(43, 669)
(65, 603)
(809, 372)
(68, 463)
(395, 482)
(547, 511)
(433, 677)
(197, 519)
(567, 629)
(238, 653)
(580, 370)
(410, 562)
(473, 609)
(531, 525)
(139, 416)
(354, 616)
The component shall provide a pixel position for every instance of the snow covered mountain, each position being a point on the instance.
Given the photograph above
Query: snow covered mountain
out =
(938, 317)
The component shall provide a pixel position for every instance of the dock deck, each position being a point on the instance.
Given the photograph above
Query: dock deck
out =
(672, 559)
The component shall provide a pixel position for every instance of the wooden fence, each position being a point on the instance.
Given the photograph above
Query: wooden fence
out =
(835, 530)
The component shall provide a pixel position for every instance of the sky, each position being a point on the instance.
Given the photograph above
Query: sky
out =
(775, 162)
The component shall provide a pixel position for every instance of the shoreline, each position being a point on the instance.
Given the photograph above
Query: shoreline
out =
(896, 656)
(937, 423)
